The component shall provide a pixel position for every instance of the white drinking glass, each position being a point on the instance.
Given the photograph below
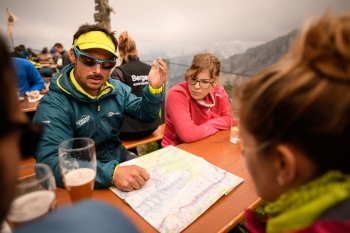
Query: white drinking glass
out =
(77, 160)
(35, 195)
(234, 129)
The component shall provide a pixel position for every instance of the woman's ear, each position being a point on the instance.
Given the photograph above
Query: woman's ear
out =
(286, 165)
(215, 83)
(72, 55)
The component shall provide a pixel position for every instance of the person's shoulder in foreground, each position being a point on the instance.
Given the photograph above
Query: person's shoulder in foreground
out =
(296, 141)
(85, 217)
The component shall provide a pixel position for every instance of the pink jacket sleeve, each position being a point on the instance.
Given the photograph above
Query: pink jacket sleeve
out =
(223, 121)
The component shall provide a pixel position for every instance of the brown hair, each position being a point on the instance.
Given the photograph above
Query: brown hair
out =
(201, 62)
(8, 104)
(304, 99)
(94, 27)
(127, 46)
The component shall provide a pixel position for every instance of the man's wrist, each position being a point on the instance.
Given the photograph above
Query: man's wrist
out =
(115, 169)
(155, 91)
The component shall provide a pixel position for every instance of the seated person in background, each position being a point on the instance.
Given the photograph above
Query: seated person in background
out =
(32, 55)
(17, 52)
(133, 73)
(295, 131)
(84, 101)
(94, 216)
(53, 50)
(45, 50)
(28, 77)
(30, 52)
(199, 106)
(63, 60)
(24, 53)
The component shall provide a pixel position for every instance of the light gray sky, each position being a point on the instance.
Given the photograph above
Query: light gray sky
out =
(174, 27)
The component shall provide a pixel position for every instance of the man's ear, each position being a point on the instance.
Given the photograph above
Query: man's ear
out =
(71, 54)
(286, 164)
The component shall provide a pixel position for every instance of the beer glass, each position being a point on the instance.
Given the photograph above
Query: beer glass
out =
(35, 195)
(77, 160)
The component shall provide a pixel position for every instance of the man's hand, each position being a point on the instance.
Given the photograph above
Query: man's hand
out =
(130, 178)
(156, 77)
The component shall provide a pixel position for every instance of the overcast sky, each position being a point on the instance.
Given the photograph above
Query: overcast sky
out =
(168, 25)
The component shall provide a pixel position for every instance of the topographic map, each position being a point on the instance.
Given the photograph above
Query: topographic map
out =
(181, 188)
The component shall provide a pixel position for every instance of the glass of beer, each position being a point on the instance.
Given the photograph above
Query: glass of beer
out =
(35, 195)
(77, 160)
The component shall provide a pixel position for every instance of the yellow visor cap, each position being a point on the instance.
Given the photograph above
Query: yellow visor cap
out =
(95, 39)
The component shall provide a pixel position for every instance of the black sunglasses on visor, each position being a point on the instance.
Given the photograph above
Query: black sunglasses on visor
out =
(91, 61)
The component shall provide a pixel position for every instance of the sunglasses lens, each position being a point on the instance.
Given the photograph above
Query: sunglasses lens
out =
(108, 65)
(87, 60)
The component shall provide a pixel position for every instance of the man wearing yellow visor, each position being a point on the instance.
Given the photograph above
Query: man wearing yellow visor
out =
(83, 101)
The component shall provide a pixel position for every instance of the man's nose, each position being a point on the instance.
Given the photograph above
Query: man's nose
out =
(97, 69)
(197, 85)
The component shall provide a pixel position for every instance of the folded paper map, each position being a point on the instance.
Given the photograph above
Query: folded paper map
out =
(181, 188)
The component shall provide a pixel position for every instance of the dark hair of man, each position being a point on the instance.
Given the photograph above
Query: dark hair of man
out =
(95, 27)
(18, 49)
(58, 45)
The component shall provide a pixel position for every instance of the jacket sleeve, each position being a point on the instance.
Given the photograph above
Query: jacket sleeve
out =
(34, 78)
(222, 121)
(58, 127)
(177, 108)
(144, 109)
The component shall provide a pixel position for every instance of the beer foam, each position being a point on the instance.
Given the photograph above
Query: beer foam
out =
(79, 176)
(31, 206)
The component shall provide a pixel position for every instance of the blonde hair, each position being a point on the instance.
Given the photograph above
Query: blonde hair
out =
(304, 99)
(127, 45)
(201, 62)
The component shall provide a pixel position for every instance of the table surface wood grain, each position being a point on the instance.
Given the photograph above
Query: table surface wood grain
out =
(224, 214)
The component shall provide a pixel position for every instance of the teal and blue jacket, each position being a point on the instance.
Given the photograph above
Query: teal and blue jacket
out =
(69, 113)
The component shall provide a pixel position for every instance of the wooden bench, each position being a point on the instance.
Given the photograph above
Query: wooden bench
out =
(157, 135)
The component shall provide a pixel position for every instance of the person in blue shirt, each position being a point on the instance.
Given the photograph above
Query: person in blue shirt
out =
(28, 77)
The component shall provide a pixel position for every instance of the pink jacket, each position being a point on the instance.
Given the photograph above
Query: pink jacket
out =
(189, 121)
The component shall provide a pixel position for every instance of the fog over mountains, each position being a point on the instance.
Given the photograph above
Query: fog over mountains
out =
(246, 59)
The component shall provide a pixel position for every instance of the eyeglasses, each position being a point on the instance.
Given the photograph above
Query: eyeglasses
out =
(91, 61)
(205, 83)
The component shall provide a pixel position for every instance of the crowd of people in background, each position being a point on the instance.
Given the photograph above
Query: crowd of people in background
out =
(31, 67)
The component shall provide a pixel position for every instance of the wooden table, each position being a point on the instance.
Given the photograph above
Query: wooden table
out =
(27, 106)
(222, 215)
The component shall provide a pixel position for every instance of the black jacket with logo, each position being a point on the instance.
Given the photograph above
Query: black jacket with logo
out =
(135, 74)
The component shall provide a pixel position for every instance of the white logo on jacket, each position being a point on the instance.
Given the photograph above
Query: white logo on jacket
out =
(83, 120)
(113, 113)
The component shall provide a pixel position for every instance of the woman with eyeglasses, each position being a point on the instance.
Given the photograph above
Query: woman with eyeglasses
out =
(199, 106)
(295, 130)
